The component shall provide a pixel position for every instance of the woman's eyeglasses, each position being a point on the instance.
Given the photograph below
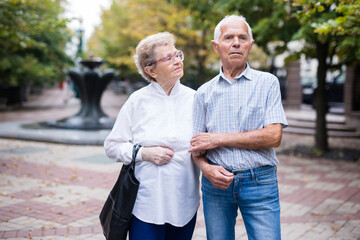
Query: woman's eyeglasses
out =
(170, 57)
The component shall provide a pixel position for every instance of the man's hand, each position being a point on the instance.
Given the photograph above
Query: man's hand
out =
(204, 141)
(158, 155)
(218, 176)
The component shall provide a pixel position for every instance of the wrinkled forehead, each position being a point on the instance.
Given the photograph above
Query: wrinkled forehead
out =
(234, 28)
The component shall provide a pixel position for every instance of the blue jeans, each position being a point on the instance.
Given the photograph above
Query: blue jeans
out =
(255, 193)
(140, 230)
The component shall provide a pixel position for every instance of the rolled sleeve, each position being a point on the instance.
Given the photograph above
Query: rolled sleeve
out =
(199, 114)
(274, 110)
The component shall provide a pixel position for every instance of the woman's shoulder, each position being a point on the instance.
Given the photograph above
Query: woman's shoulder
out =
(186, 91)
(187, 88)
(139, 93)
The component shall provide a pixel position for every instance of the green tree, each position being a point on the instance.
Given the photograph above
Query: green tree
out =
(32, 42)
(324, 28)
(329, 28)
(270, 21)
(127, 22)
(344, 28)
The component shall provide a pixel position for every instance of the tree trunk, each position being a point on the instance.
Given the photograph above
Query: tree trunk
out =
(321, 105)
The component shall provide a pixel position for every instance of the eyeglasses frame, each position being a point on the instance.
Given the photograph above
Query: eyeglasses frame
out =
(173, 56)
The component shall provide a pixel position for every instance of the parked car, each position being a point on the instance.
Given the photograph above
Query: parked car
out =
(308, 85)
(334, 90)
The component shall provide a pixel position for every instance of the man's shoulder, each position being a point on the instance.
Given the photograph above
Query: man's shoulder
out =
(262, 75)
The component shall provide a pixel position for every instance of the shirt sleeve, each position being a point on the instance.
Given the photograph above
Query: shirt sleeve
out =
(274, 112)
(119, 144)
(199, 114)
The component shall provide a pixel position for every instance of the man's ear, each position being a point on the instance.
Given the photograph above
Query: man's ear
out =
(252, 43)
(214, 45)
(151, 71)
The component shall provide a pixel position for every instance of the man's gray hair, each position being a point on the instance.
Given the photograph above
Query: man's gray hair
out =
(230, 18)
(145, 51)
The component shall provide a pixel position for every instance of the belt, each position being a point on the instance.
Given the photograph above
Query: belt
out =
(251, 170)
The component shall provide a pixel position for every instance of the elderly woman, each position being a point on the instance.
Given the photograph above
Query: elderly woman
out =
(159, 118)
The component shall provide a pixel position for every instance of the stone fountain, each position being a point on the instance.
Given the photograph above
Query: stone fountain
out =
(91, 84)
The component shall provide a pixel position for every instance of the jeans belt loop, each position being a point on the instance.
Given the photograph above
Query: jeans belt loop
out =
(252, 175)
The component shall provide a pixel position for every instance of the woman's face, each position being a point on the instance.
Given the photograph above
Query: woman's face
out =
(167, 70)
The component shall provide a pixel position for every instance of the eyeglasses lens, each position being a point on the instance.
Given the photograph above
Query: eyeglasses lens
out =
(179, 54)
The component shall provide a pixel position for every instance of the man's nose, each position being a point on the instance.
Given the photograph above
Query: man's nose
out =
(236, 42)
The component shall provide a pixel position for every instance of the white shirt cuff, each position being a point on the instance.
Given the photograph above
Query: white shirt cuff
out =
(138, 156)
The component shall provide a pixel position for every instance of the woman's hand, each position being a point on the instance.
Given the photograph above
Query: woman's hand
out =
(158, 155)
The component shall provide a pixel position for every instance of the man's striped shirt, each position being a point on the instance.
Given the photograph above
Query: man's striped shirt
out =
(249, 102)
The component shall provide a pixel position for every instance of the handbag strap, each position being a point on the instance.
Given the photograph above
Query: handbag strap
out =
(136, 148)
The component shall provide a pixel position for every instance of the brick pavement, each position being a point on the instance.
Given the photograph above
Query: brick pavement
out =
(55, 191)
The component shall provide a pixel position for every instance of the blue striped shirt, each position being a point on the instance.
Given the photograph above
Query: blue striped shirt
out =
(249, 102)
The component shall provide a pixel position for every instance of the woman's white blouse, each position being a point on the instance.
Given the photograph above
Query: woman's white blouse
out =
(167, 193)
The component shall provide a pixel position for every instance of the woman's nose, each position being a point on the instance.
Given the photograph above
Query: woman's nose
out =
(176, 59)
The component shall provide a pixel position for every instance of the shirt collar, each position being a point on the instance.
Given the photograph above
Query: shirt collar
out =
(160, 90)
(246, 73)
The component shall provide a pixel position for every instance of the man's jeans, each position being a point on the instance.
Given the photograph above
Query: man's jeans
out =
(256, 194)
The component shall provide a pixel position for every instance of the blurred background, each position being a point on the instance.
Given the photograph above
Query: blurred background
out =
(66, 68)
(313, 47)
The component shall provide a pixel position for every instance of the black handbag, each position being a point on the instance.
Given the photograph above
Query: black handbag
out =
(116, 213)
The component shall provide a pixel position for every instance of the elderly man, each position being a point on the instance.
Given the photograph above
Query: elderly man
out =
(238, 121)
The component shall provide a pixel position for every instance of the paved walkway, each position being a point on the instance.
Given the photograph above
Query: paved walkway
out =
(55, 191)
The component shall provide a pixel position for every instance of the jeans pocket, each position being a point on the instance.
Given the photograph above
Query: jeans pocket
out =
(267, 178)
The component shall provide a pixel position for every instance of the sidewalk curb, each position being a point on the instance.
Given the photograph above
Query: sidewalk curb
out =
(30, 130)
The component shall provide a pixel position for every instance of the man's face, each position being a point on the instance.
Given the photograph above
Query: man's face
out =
(234, 44)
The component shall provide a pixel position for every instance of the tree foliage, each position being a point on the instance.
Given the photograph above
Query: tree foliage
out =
(329, 28)
(343, 27)
(329, 21)
(192, 22)
(324, 29)
(270, 20)
(128, 22)
(32, 42)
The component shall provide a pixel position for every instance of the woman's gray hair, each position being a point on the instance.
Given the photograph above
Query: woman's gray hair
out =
(230, 18)
(145, 51)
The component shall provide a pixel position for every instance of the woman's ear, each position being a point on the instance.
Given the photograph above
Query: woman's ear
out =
(151, 71)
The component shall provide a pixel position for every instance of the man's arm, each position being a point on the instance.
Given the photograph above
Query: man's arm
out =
(217, 175)
(269, 136)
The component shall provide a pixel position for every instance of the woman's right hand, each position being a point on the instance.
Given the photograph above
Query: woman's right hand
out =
(158, 155)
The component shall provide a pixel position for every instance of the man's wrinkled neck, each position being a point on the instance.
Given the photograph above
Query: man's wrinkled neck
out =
(231, 72)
